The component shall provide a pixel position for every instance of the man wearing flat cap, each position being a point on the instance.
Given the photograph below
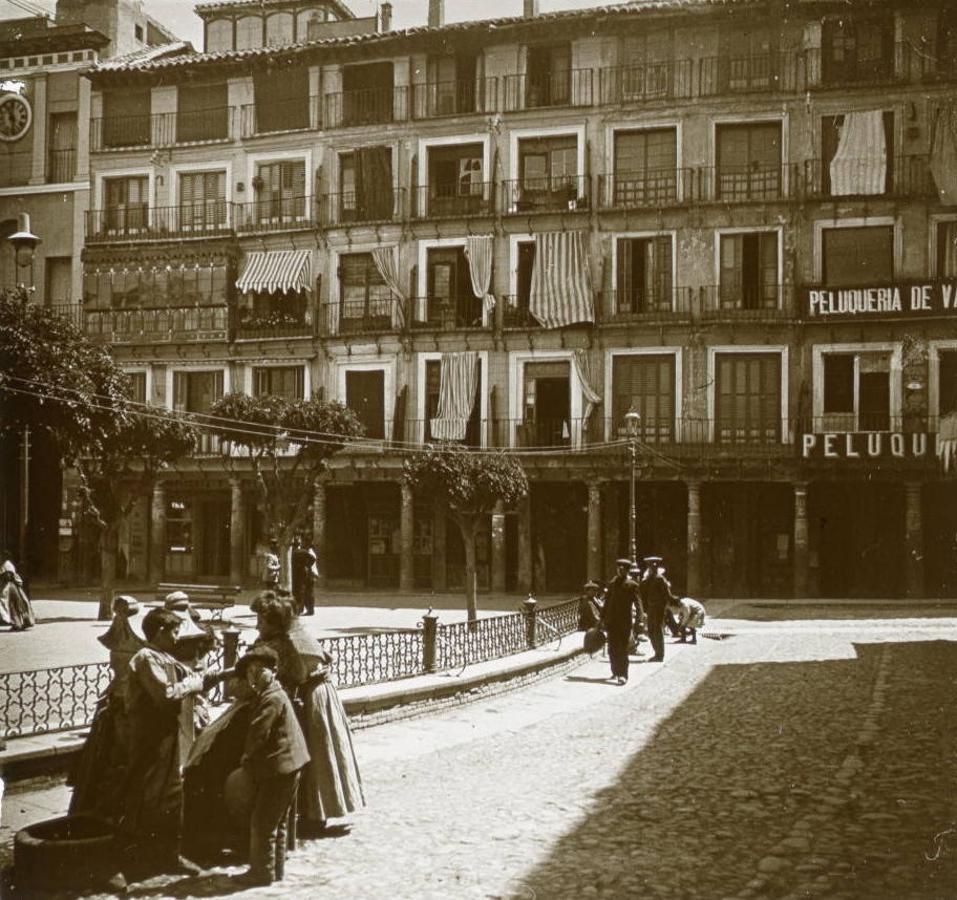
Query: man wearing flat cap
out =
(655, 596)
(589, 606)
(617, 618)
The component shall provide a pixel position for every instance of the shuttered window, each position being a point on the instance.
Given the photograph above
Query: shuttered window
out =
(137, 392)
(282, 99)
(202, 112)
(748, 398)
(644, 275)
(749, 270)
(202, 199)
(749, 161)
(126, 117)
(646, 384)
(646, 166)
(127, 203)
(288, 382)
(281, 191)
(196, 392)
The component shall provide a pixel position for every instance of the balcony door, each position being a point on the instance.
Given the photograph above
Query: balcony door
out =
(748, 398)
(547, 405)
(202, 200)
(367, 94)
(281, 191)
(548, 75)
(646, 384)
(451, 302)
(365, 396)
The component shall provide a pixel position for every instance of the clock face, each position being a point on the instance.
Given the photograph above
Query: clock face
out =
(15, 117)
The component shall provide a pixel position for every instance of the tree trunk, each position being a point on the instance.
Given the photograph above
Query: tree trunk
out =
(109, 540)
(467, 525)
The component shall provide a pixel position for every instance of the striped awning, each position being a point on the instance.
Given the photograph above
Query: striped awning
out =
(276, 270)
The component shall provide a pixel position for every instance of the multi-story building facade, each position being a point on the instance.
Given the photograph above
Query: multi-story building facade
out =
(738, 220)
(44, 172)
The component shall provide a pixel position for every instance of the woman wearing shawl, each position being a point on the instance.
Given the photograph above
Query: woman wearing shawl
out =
(101, 766)
(16, 610)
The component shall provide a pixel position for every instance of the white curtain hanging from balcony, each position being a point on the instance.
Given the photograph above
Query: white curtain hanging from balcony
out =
(561, 291)
(860, 163)
(458, 379)
(269, 271)
(386, 261)
(943, 155)
(478, 251)
(587, 378)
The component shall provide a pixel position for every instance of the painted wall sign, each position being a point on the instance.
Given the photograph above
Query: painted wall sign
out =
(904, 301)
(851, 445)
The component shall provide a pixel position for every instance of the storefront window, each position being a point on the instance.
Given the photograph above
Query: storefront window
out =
(179, 526)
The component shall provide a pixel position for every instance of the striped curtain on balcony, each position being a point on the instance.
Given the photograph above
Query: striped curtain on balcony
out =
(561, 291)
(478, 251)
(947, 441)
(386, 260)
(860, 163)
(587, 378)
(458, 379)
(943, 155)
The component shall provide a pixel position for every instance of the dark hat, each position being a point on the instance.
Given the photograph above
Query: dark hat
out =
(260, 653)
(623, 562)
(590, 584)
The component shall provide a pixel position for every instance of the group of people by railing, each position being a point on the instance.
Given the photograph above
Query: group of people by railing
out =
(633, 607)
(174, 785)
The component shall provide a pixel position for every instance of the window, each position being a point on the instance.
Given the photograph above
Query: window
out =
(280, 191)
(309, 24)
(365, 396)
(947, 383)
(645, 383)
(287, 382)
(451, 86)
(547, 421)
(646, 167)
(126, 118)
(137, 391)
(858, 256)
(196, 392)
(61, 141)
(282, 99)
(749, 270)
(179, 526)
(855, 50)
(643, 275)
(456, 180)
(526, 263)
(279, 29)
(548, 75)
(830, 140)
(451, 301)
(433, 384)
(947, 249)
(749, 161)
(748, 398)
(648, 70)
(127, 203)
(59, 280)
(365, 299)
(249, 32)
(548, 169)
(747, 61)
(202, 113)
(365, 185)
(202, 200)
(138, 32)
(219, 36)
(856, 391)
(367, 94)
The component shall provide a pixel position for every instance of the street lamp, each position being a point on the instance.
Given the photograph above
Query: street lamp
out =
(24, 244)
(632, 422)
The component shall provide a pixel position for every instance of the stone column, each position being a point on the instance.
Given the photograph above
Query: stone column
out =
(498, 548)
(237, 532)
(693, 575)
(914, 540)
(406, 579)
(525, 544)
(157, 566)
(594, 530)
(800, 540)
(439, 568)
(319, 530)
(39, 173)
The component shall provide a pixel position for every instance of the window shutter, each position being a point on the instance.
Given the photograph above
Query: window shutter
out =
(180, 385)
(218, 382)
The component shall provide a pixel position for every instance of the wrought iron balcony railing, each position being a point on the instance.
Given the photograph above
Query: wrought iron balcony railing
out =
(166, 324)
(279, 323)
(646, 303)
(876, 421)
(743, 184)
(383, 314)
(650, 188)
(447, 313)
(162, 129)
(563, 87)
(456, 200)
(780, 70)
(435, 99)
(646, 82)
(271, 117)
(824, 68)
(352, 208)
(548, 194)
(742, 300)
(138, 223)
(274, 213)
(368, 106)
(904, 176)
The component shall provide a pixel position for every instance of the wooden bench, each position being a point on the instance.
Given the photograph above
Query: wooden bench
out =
(213, 597)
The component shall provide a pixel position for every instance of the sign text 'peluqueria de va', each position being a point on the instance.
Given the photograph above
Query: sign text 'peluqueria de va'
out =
(904, 300)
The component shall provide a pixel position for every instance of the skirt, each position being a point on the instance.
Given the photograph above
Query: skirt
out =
(330, 786)
(15, 607)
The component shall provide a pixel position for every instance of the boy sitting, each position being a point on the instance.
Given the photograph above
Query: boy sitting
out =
(690, 616)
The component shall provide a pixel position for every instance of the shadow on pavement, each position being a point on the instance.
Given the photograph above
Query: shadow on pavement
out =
(827, 610)
(781, 779)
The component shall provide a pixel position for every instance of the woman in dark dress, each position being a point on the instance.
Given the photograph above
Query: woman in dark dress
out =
(16, 610)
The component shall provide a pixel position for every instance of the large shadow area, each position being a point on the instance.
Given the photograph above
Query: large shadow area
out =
(738, 792)
(830, 610)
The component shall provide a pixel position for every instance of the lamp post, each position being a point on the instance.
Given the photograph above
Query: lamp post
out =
(24, 243)
(632, 422)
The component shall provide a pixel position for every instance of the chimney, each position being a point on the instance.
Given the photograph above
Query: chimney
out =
(531, 9)
(385, 17)
(436, 13)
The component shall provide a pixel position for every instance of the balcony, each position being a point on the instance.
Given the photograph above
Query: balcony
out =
(746, 302)
(758, 73)
(349, 208)
(825, 69)
(277, 323)
(695, 437)
(874, 422)
(61, 166)
(373, 316)
(16, 168)
(168, 325)
(367, 106)
(516, 314)
(294, 114)
(744, 184)
(447, 313)
(653, 304)
(454, 200)
(564, 87)
(906, 176)
(646, 82)
(437, 99)
(274, 214)
(162, 129)
(650, 188)
(141, 223)
(419, 431)
(559, 194)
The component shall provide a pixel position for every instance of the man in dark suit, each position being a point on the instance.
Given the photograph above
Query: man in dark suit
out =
(617, 619)
(655, 596)
(301, 577)
(274, 753)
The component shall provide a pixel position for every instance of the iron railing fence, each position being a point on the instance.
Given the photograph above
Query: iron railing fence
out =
(292, 114)
(42, 701)
(546, 194)
(381, 312)
(829, 67)
(779, 70)
(170, 129)
(646, 82)
(454, 200)
(903, 176)
(366, 106)
(462, 97)
(561, 87)
(383, 204)
(452, 313)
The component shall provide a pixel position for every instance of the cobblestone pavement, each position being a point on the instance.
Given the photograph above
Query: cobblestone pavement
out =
(785, 761)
